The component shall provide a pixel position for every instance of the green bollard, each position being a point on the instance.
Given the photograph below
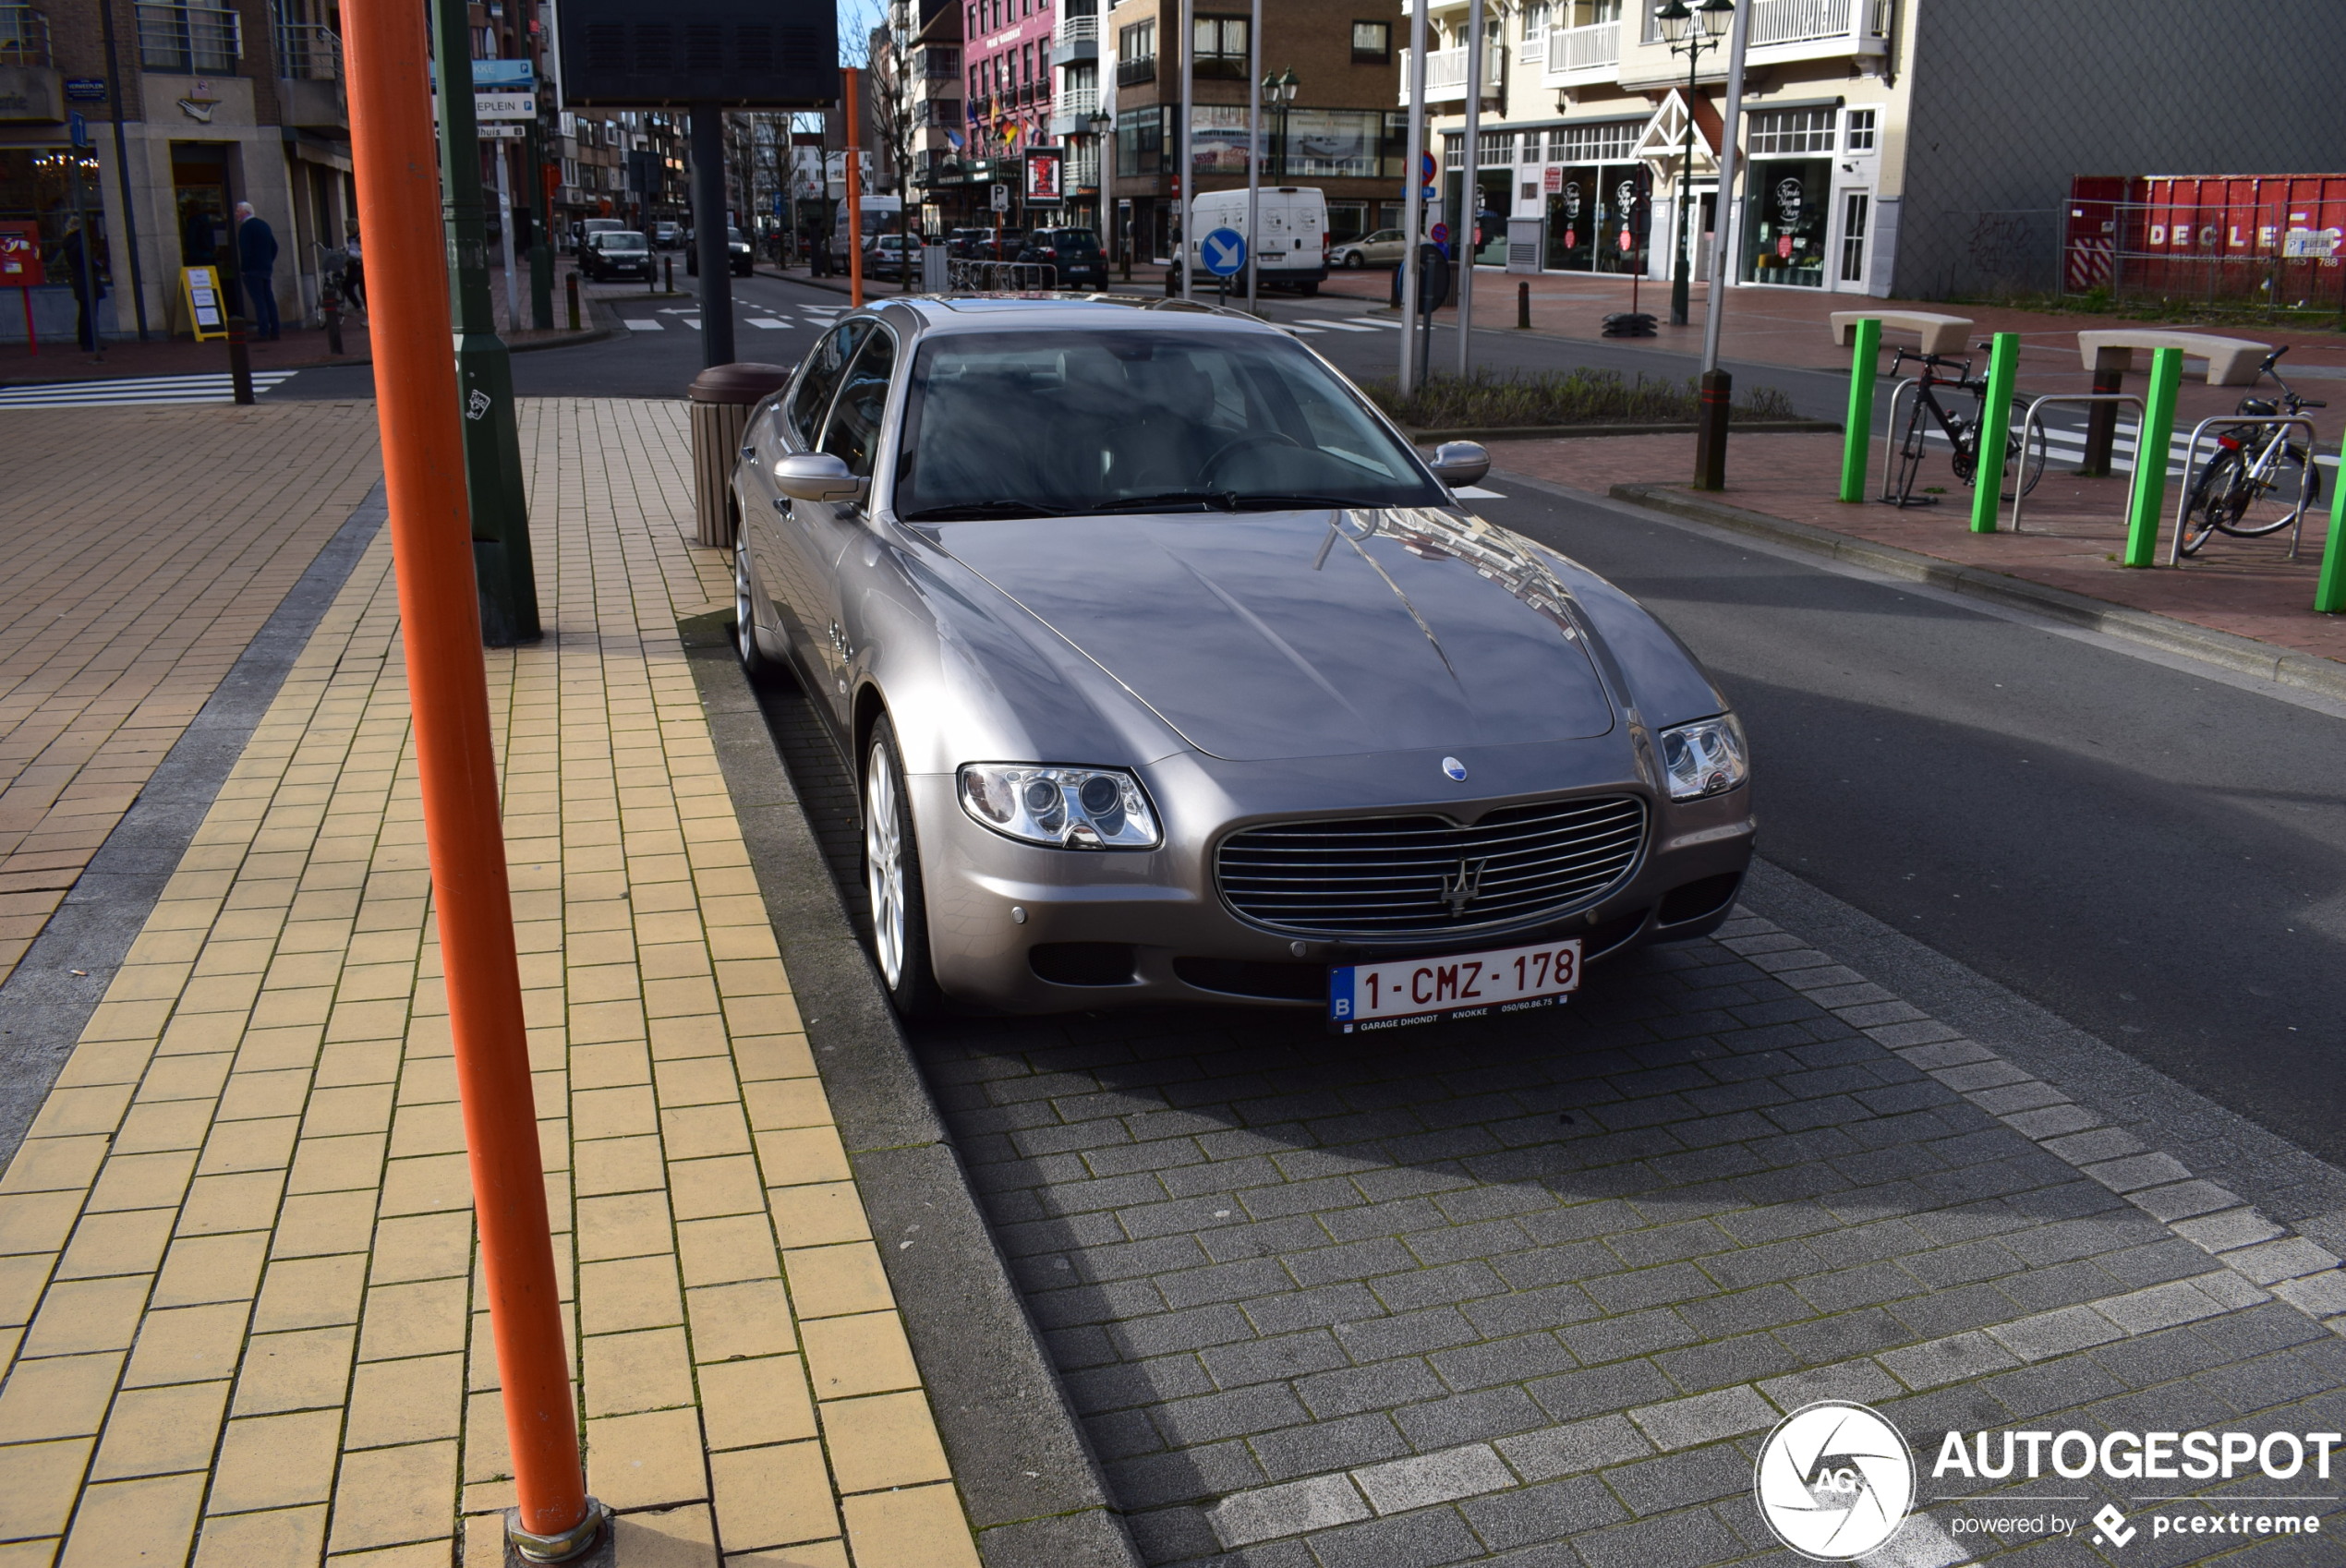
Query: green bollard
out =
(1857, 439)
(2329, 589)
(2149, 494)
(1995, 433)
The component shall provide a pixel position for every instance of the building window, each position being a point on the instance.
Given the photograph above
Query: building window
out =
(1781, 132)
(1140, 141)
(1372, 43)
(1223, 37)
(1498, 149)
(1535, 18)
(1860, 130)
(1855, 208)
(1611, 142)
(1453, 149)
(1339, 144)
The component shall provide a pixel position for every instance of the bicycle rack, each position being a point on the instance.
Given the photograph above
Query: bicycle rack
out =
(2033, 423)
(2234, 421)
(1890, 451)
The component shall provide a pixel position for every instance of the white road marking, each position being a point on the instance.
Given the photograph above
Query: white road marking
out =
(207, 388)
(769, 326)
(1372, 321)
(641, 325)
(1476, 492)
(1343, 327)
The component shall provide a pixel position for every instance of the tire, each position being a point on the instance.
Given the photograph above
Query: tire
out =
(1910, 448)
(892, 881)
(1352, 262)
(2289, 471)
(2218, 497)
(2028, 467)
(762, 668)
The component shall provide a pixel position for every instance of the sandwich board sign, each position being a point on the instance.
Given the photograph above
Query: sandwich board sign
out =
(201, 286)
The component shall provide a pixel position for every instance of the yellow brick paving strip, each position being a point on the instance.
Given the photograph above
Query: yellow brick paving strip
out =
(236, 1257)
(144, 549)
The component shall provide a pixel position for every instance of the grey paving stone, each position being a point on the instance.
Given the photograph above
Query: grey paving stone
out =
(1313, 1308)
(1409, 1333)
(2230, 1228)
(2047, 1334)
(1318, 1503)
(2160, 1306)
(1574, 1448)
(2317, 1296)
(2065, 1384)
(2183, 1200)
(1863, 1380)
(2138, 1172)
(2289, 1259)
(1352, 1390)
(2053, 1120)
(1516, 1359)
(1467, 1417)
(1320, 1447)
(1426, 1539)
(1422, 1480)
(1262, 1360)
(1745, 1358)
(1682, 1423)
(1574, 1395)
(1953, 1359)
(1674, 1480)
(1640, 1334)
(1542, 1516)
(1837, 1338)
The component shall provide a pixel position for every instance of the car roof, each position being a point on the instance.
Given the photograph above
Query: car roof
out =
(925, 314)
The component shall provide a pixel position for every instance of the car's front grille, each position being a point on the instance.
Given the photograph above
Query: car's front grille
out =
(1399, 876)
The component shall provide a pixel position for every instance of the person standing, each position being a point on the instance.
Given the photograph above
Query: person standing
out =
(83, 265)
(354, 277)
(257, 261)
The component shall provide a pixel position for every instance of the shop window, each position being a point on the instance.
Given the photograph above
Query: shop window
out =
(1785, 230)
(1140, 142)
(1780, 132)
(1859, 135)
(1372, 43)
(1498, 149)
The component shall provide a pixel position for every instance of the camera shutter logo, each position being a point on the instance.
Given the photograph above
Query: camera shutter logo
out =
(1835, 1480)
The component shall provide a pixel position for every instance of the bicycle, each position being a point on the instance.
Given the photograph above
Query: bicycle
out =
(2243, 472)
(1960, 428)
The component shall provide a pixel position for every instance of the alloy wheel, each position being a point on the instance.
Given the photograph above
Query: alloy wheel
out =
(744, 622)
(884, 864)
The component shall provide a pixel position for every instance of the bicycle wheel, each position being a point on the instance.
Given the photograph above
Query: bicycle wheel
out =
(1910, 458)
(2269, 504)
(1962, 434)
(2022, 468)
(2216, 496)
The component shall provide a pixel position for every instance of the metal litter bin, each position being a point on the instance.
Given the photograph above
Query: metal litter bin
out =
(721, 397)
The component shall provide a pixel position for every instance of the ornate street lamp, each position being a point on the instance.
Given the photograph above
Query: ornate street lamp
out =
(1692, 33)
(1279, 92)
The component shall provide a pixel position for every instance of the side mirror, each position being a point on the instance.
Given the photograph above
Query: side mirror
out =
(1460, 464)
(817, 475)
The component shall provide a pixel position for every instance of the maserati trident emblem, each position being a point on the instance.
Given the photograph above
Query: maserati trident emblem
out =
(1455, 769)
(1459, 891)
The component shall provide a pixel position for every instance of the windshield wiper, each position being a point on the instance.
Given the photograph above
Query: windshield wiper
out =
(1237, 500)
(977, 510)
(1164, 499)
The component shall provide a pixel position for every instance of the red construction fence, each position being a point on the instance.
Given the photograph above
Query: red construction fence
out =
(2277, 240)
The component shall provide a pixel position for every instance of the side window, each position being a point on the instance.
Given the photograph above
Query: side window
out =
(852, 435)
(824, 366)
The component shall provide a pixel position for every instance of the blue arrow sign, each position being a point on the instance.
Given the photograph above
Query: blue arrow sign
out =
(1223, 252)
(78, 127)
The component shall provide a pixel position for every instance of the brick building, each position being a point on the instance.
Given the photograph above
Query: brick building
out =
(1341, 133)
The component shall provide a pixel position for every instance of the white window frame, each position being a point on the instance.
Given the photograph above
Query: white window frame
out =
(1862, 122)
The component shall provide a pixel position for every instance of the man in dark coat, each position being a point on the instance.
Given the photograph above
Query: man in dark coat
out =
(257, 263)
(85, 274)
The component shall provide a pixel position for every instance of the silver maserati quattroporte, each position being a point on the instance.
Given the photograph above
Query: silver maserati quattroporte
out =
(1170, 672)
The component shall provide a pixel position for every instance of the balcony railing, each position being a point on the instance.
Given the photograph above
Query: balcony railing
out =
(1076, 29)
(1445, 73)
(1576, 50)
(1077, 101)
(1136, 73)
(306, 52)
(1805, 21)
(1533, 50)
(189, 40)
(24, 37)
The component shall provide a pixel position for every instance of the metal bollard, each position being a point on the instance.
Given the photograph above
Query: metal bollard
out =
(1711, 410)
(239, 359)
(334, 326)
(1857, 438)
(670, 265)
(2147, 500)
(1523, 307)
(1995, 433)
(570, 288)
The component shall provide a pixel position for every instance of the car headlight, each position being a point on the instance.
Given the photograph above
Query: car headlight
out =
(1069, 808)
(1707, 757)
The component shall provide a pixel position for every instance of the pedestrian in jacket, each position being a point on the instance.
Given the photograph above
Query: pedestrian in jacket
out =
(84, 273)
(257, 263)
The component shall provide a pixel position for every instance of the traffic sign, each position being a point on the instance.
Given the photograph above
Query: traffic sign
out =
(77, 128)
(1425, 168)
(1439, 234)
(1223, 252)
(1001, 199)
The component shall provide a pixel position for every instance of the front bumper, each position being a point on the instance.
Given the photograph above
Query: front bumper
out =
(1026, 929)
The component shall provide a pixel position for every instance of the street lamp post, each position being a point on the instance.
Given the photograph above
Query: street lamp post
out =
(1691, 33)
(1278, 92)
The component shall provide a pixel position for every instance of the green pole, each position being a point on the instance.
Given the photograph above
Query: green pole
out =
(1995, 433)
(2330, 589)
(502, 567)
(1857, 439)
(2149, 494)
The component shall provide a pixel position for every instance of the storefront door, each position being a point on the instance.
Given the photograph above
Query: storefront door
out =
(1791, 209)
(1572, 220)
(1625, 218)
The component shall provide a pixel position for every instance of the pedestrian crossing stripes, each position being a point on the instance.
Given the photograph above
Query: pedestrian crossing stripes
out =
(1371, 323)
(1342, 327)
(218, 388)
(644, 324)
(769, 326)
(639, 324)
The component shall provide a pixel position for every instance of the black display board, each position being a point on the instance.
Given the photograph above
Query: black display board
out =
(636, 55)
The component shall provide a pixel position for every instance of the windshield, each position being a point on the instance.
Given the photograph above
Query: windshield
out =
(620, 241)
(1029, 423)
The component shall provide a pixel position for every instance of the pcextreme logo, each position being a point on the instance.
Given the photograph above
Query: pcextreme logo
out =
(1835, 1480)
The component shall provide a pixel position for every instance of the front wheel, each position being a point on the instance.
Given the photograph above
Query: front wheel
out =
(2023, 469)
(893, 879)
(756, 663)
(1352, 262)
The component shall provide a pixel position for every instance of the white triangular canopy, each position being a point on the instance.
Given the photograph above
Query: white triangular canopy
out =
(1663, 140)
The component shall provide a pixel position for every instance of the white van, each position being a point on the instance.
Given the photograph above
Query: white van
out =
(880, 213)
(1293, 252)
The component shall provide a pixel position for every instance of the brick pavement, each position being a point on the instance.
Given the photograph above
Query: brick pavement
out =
(236, 1252)
(2073, 530)
(1529, 1291)
(202, 519)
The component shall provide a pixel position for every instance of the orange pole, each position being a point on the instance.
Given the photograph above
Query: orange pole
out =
(393, 148)
(854, 199)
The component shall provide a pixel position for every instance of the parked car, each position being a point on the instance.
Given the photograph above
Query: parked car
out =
(984, 245)
(1292, 250)
(888, 255)
(667, 235)
(1218, 694)
(1383, 249)
(589, 228)
(743, 255)
(1074, 253)
(616, 253)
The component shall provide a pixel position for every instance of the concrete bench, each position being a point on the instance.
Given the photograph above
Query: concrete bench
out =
(2231, 362)
(1940, 334)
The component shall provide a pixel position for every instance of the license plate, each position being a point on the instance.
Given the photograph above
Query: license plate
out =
(1406, 991)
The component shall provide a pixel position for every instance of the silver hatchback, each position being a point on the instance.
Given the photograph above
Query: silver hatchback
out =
(1168, 671)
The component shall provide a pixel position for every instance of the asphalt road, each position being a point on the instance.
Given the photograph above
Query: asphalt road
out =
(2152, 854)
(2157, 856)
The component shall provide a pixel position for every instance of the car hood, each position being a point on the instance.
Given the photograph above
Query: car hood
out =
(1266, 635)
